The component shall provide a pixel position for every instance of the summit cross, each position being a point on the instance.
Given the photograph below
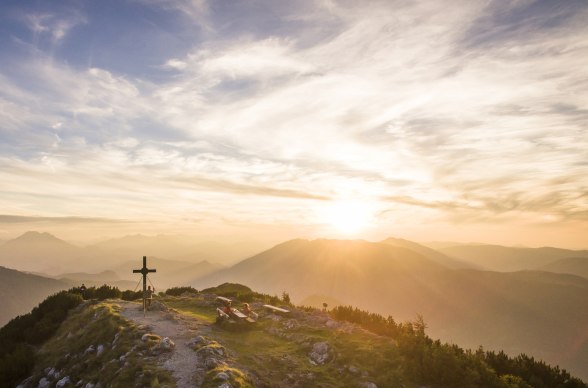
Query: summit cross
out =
(144, 271)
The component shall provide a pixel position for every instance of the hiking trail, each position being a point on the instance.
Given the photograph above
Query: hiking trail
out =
(182, 360)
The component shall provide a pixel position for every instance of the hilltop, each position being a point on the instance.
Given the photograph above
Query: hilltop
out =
(177, 343)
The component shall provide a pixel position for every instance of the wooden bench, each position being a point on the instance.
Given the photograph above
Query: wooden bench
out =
(223, 299)
(222, 314)
(238, 314)
(276, 309)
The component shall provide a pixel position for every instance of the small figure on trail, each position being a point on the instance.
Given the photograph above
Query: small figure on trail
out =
(247, 311)
(149, 295)
(83, 290)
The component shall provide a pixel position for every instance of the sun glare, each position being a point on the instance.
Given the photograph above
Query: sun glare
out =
(348, 217)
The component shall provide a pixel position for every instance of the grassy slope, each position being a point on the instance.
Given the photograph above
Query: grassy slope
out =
(276, 352)
(96, 324)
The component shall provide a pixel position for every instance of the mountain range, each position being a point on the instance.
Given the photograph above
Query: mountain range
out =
(507, 259)
(541, 313)
(530, 300)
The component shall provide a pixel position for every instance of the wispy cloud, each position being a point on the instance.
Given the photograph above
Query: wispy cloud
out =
(52, 26)
(471, 111)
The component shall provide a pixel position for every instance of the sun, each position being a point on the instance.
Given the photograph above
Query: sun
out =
(348, 217)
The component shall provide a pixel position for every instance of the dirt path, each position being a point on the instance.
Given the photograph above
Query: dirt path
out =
(180, 329)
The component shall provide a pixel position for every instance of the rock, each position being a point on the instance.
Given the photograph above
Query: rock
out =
(150, 337)
(319, 354)
(222, 376)
(291, 324)
(225, 385)
(116, 337)
(211, 350)
(99, 350)
(331, 324)
(69, 335)
(26, 383)
(90, 349)
(212, 355)
(89, 385)
(197, 341)
(44, 383)
(61, 383)
(167, 343)
(213, 362)
(353, 370)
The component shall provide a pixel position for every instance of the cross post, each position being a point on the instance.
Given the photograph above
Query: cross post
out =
(144, 271)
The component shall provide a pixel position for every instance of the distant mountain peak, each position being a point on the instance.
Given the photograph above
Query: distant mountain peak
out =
(35, 236)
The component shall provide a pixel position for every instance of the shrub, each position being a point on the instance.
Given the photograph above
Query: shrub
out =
(131, 295)
(177, 291)
(17, 356)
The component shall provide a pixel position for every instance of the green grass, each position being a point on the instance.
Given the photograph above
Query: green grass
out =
(96, 324)
(272, 353)
(188, 306)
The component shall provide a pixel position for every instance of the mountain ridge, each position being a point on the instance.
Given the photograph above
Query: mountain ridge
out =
(466, 306)
(177, 343)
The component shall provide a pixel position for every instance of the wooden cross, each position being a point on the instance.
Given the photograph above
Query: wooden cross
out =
(144, 271)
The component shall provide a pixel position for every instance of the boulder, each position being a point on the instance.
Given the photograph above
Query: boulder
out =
(52, 372)
(197, 341)
(319, 354)
(167, 343)
(213, 362)
(63, 382)
(44, 383)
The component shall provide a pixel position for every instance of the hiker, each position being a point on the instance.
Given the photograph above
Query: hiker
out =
(247, 311)
(227, 309)
(149, 295)
(83, 290)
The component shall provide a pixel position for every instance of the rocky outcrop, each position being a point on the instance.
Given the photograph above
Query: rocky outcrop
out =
(319, 353)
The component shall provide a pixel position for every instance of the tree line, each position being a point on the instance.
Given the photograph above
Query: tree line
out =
(430, 362)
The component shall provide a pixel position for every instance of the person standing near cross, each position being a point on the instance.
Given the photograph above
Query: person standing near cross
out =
(144, 271)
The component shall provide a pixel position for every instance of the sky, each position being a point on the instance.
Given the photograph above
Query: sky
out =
(428, 120)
